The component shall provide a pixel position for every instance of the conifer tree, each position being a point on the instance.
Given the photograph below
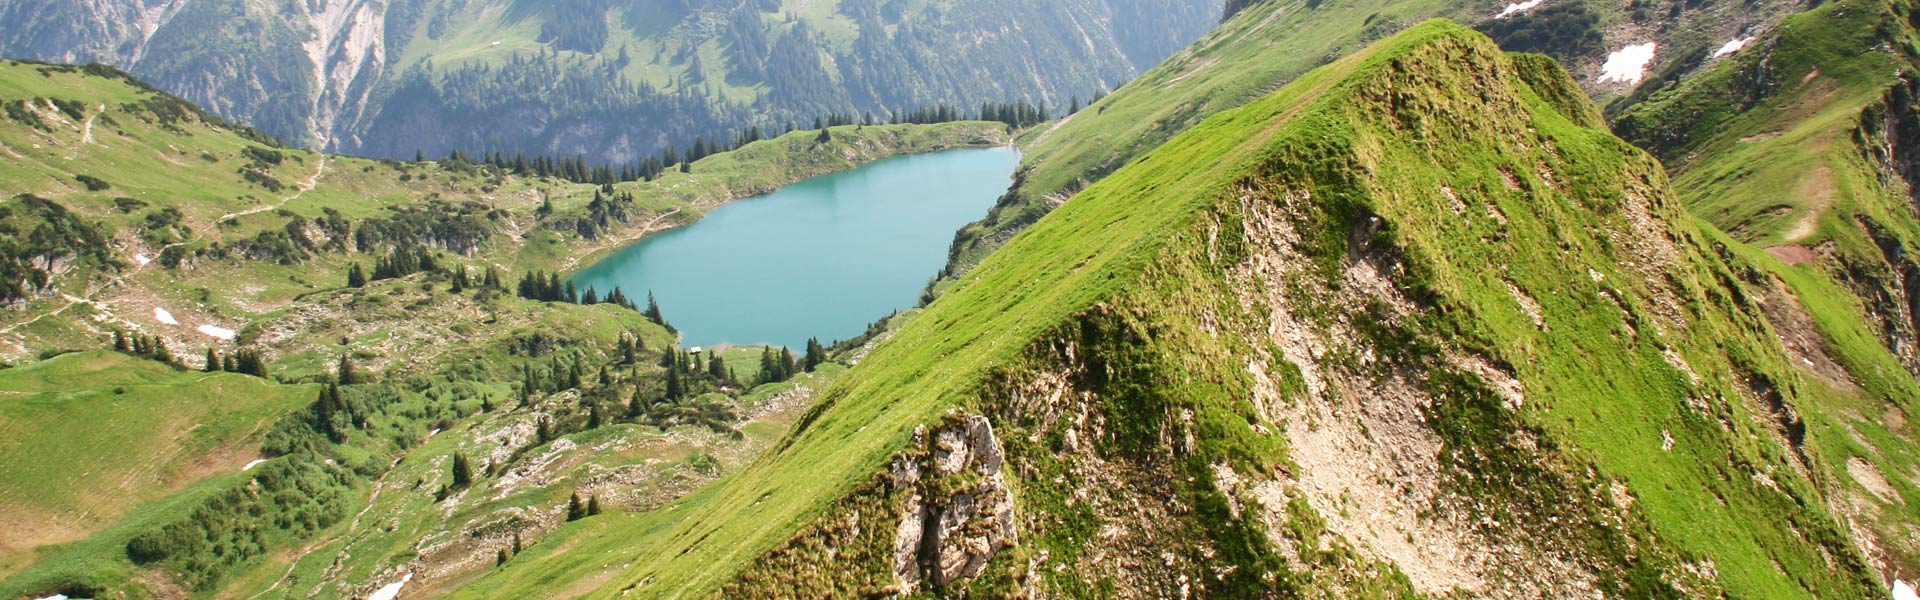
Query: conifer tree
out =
(356, 277)
(653, 312)
(816, 354)
(593, 505)
(675, 388)
(462, 471)
(574, 510)
(213, 361)
(345, 373)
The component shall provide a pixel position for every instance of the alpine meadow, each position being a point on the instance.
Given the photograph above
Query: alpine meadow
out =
(397, 299)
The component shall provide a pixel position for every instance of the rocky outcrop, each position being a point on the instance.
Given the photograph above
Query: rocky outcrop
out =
(957, 513)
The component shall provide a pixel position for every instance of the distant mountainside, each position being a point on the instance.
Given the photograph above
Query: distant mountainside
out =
(611, 80)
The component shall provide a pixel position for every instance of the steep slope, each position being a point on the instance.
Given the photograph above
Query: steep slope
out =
(1271, 357)
(1268, 43)
(1801, 145)
(612, 80)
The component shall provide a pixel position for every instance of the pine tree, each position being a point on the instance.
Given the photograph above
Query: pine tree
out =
(345, 373)
(825, 136)
(542, 431)
(356, 277)
(516, 542)
(574, 510)
(653, 312)
(816, 354)
(675, 388)
(593, 505)
(459, 280)
(213, 361)
(500, 557)
(249, 362)
(120, 343)
(462, 471)
(593, 416)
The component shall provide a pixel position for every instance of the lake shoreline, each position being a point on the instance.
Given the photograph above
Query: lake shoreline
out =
(867, 239)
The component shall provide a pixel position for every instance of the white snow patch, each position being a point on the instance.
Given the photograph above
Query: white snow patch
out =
(1732, 46)
(1628, 65)
(161, 315)
(391, 590)
(1903, 591)
(142, 259)
(219, 332)
(433, 433)
(64, 597)
(253, 464)
(1518, 7)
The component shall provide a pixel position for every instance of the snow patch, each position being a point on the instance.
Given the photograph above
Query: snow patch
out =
(253, 464)
(391, 590)
(219, 332)
(64, 597)
(142, 259)
(1903, 591)
(1518, 7)
(164, 317)
(1732, 46)
(1628, 65)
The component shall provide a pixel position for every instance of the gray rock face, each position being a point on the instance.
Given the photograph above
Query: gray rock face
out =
(957, 513)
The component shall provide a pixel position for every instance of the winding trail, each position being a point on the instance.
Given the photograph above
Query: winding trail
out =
(301, 190)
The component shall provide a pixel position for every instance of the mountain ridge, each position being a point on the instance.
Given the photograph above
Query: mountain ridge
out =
(1251, 324)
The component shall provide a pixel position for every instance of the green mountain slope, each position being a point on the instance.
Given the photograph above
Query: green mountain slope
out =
(1271, 354)
(1801, 145)
(133, 214)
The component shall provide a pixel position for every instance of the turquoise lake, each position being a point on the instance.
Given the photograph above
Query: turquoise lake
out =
(820, 258)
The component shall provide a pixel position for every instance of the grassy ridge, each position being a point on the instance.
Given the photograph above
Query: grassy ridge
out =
(1603, 388)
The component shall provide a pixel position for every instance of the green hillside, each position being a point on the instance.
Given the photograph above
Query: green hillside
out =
(134, 215)
(91, 436)
(1800, 146)
(1281, 327)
